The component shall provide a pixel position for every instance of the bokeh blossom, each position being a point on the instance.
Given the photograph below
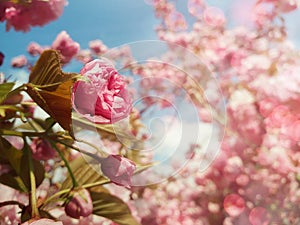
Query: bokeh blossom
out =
(19, 61)
(65, 46)
(23, 15)
(42, 150)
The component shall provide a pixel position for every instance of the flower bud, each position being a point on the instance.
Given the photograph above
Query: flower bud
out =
(118, 169)
(80, 204)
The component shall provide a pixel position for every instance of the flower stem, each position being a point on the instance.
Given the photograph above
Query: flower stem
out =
(24, 134)
(92, 155)
(57, 194)
(74, 182)
(33, 200)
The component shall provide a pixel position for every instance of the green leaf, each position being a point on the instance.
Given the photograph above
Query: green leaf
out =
(84, 172)
(113, 208)
(39, 171)
(19, 163)
(11, 154)
(5, 88)
(25, 216)
(50, 88)
(12, 180)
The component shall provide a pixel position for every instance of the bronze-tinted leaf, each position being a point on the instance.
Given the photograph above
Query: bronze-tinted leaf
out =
(47, 71)
(51, 88)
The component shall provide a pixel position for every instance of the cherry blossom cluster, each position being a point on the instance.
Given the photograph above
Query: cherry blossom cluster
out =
(22, 15)
(255, 178)
(63, 43)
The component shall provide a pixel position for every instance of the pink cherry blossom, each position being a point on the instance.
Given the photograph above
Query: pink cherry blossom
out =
(294, 130)
(276, 117)
(262, 15)
(42, 150)
(42, 222)
(266, 106)
(234, 205)
(282, 5)
(34, 13)
(176, 21)
(259, 216)
(19, 61)
(214, 17)
(288, 6)
(196, 7)
(255, 177)
(10, 12)
(98, 47)
(103, 98)
(84, 56)
(65, 46)
(118, 169)
(163, 8)
(9, 213)
(242, 180)
(34, 49)
(17, 142)
(80, 204)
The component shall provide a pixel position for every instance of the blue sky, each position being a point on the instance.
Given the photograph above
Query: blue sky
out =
(115, 22)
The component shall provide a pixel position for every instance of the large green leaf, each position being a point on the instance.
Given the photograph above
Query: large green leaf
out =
(5, 88)
(84, 172)
(11, 154)
(12, 180)
(19, 163)
(113, 208)
(51, 88)
(39, 171)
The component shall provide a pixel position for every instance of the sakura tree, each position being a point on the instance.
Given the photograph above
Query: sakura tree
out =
(200, 127)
